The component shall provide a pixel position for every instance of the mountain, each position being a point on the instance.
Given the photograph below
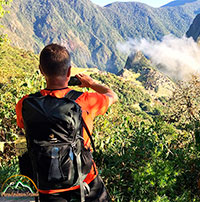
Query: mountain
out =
(137, 20)
(179, 3)
(152, 79)
(77, 24)
(194, 30)
(91, 32)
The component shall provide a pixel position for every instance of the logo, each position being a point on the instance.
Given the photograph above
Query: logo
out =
(19, 186)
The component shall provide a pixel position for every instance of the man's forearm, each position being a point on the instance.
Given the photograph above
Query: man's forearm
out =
(87, 81)
(99, 88)
(105, 90)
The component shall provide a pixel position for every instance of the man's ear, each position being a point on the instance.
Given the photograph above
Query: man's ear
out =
(41, 70)
(69, 71)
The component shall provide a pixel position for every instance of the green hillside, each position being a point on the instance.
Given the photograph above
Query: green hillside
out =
(91, 32)
(79, 25)
(147, 144)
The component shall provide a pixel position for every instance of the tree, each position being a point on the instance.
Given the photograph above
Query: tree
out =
(184, 106)
(3, 4)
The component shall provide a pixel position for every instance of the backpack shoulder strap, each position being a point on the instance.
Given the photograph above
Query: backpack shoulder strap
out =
(74, 95)
(37, 94)
(88, 132)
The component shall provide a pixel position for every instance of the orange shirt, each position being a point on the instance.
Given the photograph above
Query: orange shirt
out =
(92, 105)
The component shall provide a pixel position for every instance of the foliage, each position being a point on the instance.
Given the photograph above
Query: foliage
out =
(146, 163)
(141, 155)
(18, 75)
(8, 169)
(3, 3)
(184, 106)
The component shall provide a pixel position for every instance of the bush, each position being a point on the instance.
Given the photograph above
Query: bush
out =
(147, 163)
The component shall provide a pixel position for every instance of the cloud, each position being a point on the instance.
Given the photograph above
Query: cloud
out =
(176, 57)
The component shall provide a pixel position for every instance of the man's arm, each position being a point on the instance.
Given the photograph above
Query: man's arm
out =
(88, 82)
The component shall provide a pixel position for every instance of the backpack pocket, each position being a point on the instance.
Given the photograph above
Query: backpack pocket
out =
(55, 166)
(87, 160)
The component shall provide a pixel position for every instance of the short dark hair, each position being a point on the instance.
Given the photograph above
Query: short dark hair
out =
(54, 60)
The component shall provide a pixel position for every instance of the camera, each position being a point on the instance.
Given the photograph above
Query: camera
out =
(74, 81)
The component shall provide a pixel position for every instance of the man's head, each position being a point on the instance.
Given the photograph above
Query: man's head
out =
(54, 61)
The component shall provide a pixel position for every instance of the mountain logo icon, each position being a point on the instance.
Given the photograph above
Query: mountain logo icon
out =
(19, 186)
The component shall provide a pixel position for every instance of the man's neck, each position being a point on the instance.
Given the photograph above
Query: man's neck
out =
(56, 83)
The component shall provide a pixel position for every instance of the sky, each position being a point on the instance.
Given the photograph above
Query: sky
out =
(153, 3)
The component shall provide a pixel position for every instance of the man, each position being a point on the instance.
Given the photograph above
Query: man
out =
(56, 68)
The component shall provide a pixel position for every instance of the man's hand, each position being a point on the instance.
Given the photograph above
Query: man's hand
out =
(85, 80)
(88, 82)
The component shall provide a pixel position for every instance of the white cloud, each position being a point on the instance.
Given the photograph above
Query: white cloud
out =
(179, 57)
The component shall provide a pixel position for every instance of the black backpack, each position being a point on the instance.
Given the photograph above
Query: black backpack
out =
(55, 143)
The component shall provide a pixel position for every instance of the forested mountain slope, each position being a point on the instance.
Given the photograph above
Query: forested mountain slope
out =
(147, 144)
(91, 32)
